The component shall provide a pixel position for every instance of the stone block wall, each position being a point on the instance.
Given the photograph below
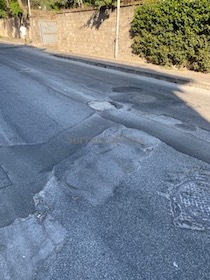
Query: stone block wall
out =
(9, 28)
(92, 33)
(125, 39)
(79, 33)
(82, 32)
(35, 21)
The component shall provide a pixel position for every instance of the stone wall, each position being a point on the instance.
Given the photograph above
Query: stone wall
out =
(93, 33)
(35, 24)
(125, 40)
(9, 28)
(80, 32)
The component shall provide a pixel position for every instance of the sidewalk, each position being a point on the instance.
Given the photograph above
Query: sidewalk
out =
(181, 77)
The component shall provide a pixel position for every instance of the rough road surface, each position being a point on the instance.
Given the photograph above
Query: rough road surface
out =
(103, 174)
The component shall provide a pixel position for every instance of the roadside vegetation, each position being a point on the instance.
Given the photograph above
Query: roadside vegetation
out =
(174, 33)
(17, 7)
(11, 8)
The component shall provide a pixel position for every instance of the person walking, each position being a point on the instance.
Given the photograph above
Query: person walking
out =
(23, 32)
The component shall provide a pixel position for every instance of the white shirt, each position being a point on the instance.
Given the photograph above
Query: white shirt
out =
(23, 30)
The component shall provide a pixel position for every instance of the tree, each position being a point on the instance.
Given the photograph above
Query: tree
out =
(3, 9)
(23, 8)
(15, 9)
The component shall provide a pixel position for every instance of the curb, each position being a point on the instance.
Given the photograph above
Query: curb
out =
(135, 70)
(138, 70)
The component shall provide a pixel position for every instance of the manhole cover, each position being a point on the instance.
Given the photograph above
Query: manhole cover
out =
(101, 105)
(4, 180)
(190, 203)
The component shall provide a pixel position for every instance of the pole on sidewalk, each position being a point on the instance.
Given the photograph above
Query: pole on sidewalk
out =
(29, 8)
(117, 30)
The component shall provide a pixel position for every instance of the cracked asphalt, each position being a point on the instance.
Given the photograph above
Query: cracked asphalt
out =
(103, 174)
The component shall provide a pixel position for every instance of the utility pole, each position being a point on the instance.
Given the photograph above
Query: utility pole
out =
(117, 30)
(29, 8)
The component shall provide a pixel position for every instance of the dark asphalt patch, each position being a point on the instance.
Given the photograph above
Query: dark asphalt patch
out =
(138, 96)
(186, 126)
(127, 89)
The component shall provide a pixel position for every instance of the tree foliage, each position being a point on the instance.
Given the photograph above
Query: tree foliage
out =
(18, 7)
(174, 32)
(15, 9)
(11, 8)
(3, 9)
(66, 4)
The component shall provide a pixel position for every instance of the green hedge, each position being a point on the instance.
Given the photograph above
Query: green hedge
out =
(174, 32)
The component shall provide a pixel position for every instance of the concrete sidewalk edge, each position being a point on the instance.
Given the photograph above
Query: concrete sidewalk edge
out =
(123, 67)
(134, 70)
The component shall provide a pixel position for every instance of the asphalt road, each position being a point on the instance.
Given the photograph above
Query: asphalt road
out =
(103, 174)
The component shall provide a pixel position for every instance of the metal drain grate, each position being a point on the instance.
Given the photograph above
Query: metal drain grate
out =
(190, 203)
(4, 180)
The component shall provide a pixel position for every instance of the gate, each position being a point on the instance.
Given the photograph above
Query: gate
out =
(48, 30)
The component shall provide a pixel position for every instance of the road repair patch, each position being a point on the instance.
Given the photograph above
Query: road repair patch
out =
(101, 105)
(98, 169)
(30, 243)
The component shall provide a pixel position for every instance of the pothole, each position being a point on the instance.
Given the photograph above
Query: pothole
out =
(140, 95)
(101, 105)
(136, 94)
(190, 203)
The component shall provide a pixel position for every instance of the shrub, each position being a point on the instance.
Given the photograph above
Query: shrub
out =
(174, 32)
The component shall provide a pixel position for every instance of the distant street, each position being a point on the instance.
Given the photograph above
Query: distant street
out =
(103, 174)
